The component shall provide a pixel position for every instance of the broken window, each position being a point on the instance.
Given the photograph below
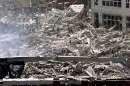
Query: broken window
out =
(96, 2)
(127, 3)
(128, 22)
(115, 3)
(111, 20)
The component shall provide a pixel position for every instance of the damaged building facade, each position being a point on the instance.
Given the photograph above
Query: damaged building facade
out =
(40, 5)
(30, 5)
(111, 12)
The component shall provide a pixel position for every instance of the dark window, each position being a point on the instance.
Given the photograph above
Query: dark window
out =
(111, 20)
(127, 3)
(115, 3)
(111, 3)
(96, 2)
(119, 4)
(128, 22)
(103, 3)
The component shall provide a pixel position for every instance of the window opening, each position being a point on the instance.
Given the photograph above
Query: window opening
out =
(114, 3)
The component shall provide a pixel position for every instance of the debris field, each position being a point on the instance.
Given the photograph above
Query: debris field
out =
(70, 33)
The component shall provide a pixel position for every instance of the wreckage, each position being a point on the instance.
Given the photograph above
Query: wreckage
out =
(66, 46)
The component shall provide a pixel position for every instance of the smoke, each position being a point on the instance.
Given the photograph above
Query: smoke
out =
(13, 41)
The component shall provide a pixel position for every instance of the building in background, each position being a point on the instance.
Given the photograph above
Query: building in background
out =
(23, 3)
(30, 5)
(41, 5)
(111, 12)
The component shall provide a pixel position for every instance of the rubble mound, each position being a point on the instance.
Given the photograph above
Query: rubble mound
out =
(72, 70)
(70, 35)
(61, 34)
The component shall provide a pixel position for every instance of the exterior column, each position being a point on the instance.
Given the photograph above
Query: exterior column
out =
(92, 12)
(100, 12)
(123, 16)
(123, 4)
(92, 4)
(124, 23)
(100, 18)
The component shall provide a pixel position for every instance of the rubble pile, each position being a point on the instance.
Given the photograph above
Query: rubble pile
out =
(73, 70)
(64, 33)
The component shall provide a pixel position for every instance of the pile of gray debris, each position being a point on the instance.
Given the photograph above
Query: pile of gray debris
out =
(65, 33)
(75, 70)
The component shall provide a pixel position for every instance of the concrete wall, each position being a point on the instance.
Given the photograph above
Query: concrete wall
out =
(122, 11)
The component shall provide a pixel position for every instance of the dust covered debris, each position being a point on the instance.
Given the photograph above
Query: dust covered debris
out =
(65, 33)
(82, 70)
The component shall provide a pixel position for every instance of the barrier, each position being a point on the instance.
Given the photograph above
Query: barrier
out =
(51, 82)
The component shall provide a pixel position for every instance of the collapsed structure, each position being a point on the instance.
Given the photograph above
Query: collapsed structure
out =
(68, 33)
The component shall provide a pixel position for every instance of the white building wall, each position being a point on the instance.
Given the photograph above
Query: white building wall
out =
(100, 9)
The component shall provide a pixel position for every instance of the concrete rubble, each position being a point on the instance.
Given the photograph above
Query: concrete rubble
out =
(68, 33)
(65, 33)
(75, 70)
